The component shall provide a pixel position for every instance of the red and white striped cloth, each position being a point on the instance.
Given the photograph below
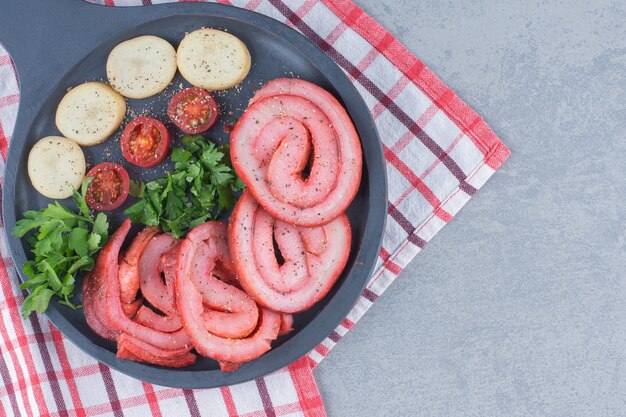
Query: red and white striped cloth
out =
(439, 153)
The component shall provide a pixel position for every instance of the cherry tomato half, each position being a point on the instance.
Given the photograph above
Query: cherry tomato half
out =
(109, 188)
(145, 142)
(193, 110)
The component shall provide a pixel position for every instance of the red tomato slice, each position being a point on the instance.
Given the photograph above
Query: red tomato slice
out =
(109, 188)
(145, 142)
(193, 110)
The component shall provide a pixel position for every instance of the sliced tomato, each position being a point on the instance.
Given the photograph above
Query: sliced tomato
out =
(193, 110)
(145, 142)
(109, 188)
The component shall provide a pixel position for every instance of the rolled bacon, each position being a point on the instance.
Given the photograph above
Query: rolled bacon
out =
(129, 266)
(105, 313)
(286, 324)
(198, 290)
(298, 152)
(313, 258)
(154, 261)
(93, 296)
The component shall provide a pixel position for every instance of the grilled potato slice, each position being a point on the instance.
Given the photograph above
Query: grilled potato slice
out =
(213, 59)
(141, 67)
(90, 113)
(56, 166)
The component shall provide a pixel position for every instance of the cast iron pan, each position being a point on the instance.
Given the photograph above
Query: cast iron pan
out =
(57, 45)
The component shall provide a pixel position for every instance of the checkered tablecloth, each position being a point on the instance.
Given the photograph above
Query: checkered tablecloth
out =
(438, 151)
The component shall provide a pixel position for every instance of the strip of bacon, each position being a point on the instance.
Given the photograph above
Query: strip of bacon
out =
(313, 257)
(133, 349)
(286, 324)
(129, 268)
(108, 268)
(149, 318)
(93, 291)
(198, 252)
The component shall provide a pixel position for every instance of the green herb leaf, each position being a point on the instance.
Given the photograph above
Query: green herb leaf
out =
(64, 244)
(77, 241)
(101, 226)
(136, 188)
(37, 300)
(57, 211)
(82, 264)
(79, 198)
(201, 186)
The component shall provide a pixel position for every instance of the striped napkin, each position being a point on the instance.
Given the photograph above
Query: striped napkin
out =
(438, 151)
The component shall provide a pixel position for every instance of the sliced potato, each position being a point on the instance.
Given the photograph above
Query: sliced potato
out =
(56, 166)
(90, 113)
(141, 67)
(212, 59)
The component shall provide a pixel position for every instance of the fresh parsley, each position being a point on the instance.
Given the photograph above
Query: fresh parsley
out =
(64, 244)
(201, 186)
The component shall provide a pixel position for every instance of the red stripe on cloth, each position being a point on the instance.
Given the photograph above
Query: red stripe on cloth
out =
(3, 412)
(308, 393)
(253, 4)
(57, 338)
(6, 380)
(18, 372)
(347, 323)
(393, 267)
(416, 182)
(352, 16)
(8, 100)
(280, 410)
(322, 350)
(153, 403)
(231, 408)
(5, 60)
(336, 33)
(109, 3)
(56, 375)
(48, 366)
(125, 403)
(361, 67)
(305, 8)
(355, 72)
(20, 332)
(383, 253)
(4, 143)
(469, 122)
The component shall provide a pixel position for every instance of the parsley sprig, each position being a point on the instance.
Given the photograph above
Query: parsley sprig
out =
(64, 244)
(201, 186)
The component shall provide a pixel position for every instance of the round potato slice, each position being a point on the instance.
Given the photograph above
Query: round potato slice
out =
(212, 59)
(141, 67)
(90, 113)
(56, 166)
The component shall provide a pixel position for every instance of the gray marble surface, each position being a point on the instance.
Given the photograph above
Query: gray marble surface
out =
(518, 307)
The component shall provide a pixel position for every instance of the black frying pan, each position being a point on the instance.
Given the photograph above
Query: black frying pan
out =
(62, 43)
